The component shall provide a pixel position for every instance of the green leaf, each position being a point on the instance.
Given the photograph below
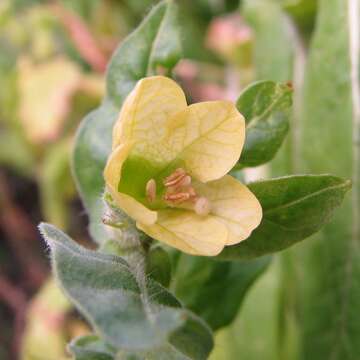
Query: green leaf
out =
(155, 42)
(91, 347)
(106, 291)
(129, 312)
(253, 334)
(194, 27)
(166, 47)
(92, 147)
(331, 125)
(158, 265)
(294, 208)
(193, 340)
(212, 280)
(166, 352)
(265, 106)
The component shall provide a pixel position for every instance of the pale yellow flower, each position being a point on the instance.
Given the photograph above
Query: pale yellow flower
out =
(168, 167)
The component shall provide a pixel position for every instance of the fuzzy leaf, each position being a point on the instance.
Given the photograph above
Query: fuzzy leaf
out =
(265, 106)
(91, 347)
(92, 146)
(156, 42)
(294, 208)
(158, 265)
(127, 311)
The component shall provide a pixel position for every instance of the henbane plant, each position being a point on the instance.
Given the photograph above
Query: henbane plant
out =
(180, 240)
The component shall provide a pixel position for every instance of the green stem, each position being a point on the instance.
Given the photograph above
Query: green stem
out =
(129, 243)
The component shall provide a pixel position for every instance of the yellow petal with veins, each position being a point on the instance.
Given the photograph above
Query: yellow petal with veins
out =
(208, 137)
(133, 208)
(144, 116)
(232, 204)
(188, 232)
(112, 174)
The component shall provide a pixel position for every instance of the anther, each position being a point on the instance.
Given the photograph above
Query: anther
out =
(186, 181)
(202, 206)
(150, 190)
(191, 191)
(177, 198)
(177, 176)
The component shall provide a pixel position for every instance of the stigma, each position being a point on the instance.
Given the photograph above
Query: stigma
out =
(202, 206)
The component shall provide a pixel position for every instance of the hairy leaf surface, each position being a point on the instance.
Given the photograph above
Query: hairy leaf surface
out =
(128, 311)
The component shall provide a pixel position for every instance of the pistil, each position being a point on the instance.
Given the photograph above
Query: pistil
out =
(202, 206)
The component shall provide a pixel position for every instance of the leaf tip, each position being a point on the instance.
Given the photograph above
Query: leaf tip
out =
(348, 185)
(44, 229)
(344, 184)
(289, 85)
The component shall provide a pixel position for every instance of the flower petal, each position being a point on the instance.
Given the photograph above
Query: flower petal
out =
(133, 208)
(112, 172)
(208, 137)
(145, 114)
(112, 175)
(188, 232)
(233, 204)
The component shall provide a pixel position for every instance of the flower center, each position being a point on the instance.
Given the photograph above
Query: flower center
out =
(178, 190)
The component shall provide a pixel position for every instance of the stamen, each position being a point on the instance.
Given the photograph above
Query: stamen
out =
(175, 177)
(178, 187)
(191, 191)
(202, 206)
(181, 183)
(186, 181)
(150, 190)
(177, 198)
